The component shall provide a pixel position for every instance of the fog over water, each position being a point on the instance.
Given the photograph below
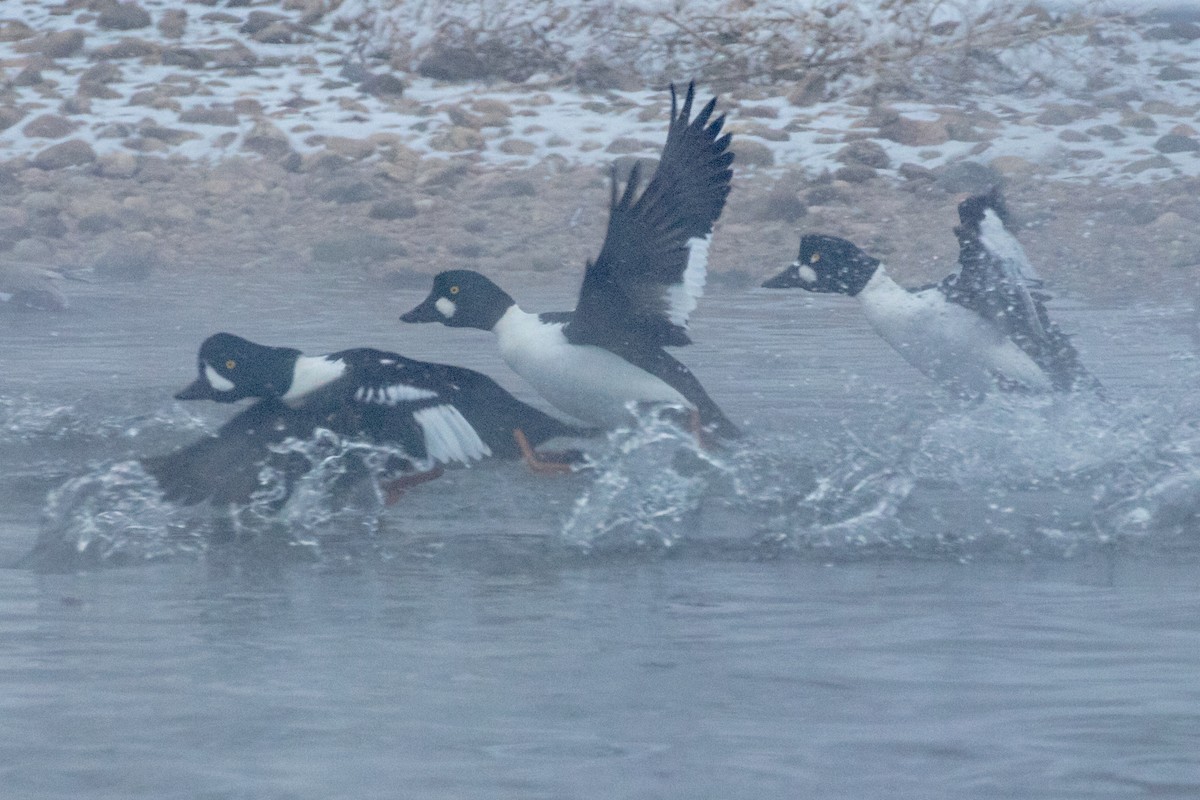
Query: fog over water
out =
(882, 592)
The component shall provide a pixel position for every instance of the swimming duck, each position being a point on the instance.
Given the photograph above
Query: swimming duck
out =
(983, 327)
(435, 414)
(609, 353)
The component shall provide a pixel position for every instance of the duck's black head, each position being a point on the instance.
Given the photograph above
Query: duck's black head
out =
(232, 368)
(462, 298)
(827, 264)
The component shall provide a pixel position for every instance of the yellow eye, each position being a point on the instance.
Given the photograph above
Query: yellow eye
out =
(230, 364)
(814, 258)
(453, 290)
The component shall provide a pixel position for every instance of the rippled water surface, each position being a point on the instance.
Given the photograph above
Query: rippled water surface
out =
(880, 594)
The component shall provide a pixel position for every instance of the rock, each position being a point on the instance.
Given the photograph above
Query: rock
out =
(99, 91)
(967, 176)
(759, 112)
(448, 63)
(1062, 114)
(517, 147)
(1012, 165)
(352, 191)
(783, 204)
(915, 172)
(865, 153)
(171, 136)
(49, 126)
(356, 149)
(266, 139)
(749, 153)
(62, 44)
(1179, 30)
(103, 72)
(172, 23)
(29, 76)
(356, 246)
(456, 138)
(117, 165)
(826, 194)
(383, 85)
(210, 115)
(79, 104)
(9, 116)
(393, 208)
(123, 17)
(236, 56)
(13, 30)
(594, 75)
(492, 109)
(1142, 122)
(914, 133)
(855, 173)
(129, 258)
(1108, 132)
(71, 153)
(809, 93)
(1143, 164)
(1174, 72)
(277, 33)
(460, 116)
(126, 47)
(187, 57)
(511, 187)
(258, 21)
(1171, 143)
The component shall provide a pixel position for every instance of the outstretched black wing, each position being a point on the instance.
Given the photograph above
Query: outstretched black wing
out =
(651, 269)
(996, 281)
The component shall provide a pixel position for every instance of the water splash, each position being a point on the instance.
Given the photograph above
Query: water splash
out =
(112, 516)
(115, 514)
(650, 483)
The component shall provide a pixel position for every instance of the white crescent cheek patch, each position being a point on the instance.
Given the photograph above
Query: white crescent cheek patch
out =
(807, 274)
(445, 307)
(216, 380)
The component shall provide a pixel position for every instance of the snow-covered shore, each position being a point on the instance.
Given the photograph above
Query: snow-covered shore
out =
(154, 131)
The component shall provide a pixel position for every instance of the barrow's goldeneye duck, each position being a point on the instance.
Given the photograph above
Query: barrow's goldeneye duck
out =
(983, 327)
(436, 414)
(608, 354)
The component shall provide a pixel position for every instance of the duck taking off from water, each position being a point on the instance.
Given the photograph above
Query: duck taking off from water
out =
(609, 353)
(982, 328)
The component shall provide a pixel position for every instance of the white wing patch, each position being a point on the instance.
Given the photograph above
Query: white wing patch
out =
(683, 296)
(392, 395)
(998, 241)
(448, 435)
(310, 374)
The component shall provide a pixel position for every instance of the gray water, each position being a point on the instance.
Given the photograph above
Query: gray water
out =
(881, 594)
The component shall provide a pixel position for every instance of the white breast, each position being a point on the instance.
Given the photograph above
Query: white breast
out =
(945, 341)
(587, 382)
